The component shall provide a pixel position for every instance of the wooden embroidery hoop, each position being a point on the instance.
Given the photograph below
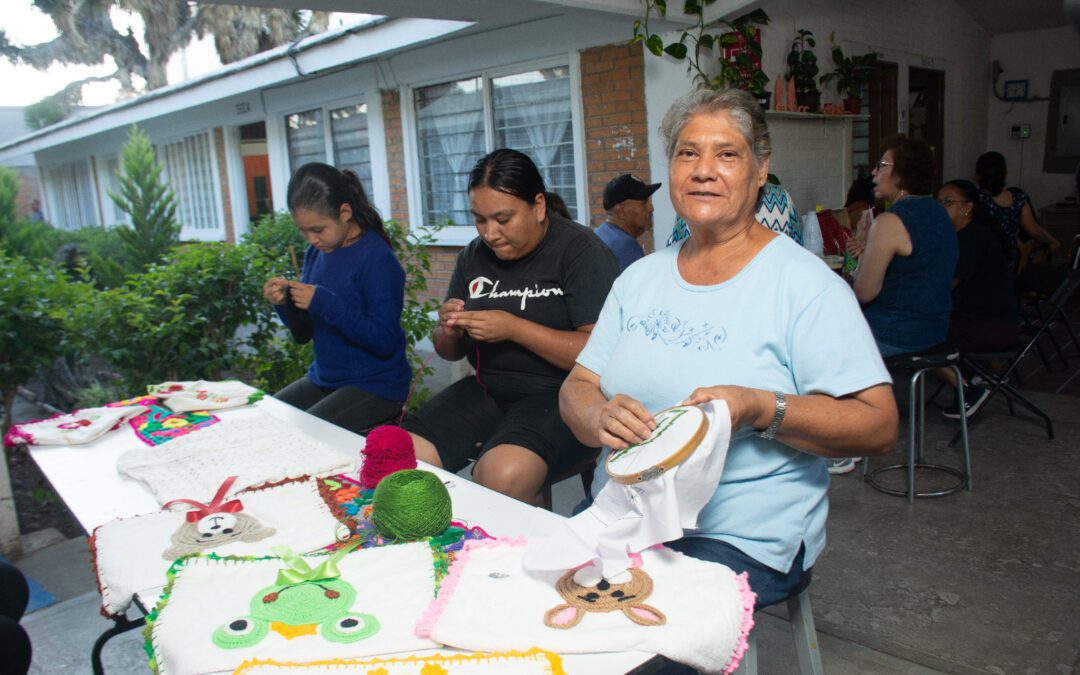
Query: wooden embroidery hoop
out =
(679, 430)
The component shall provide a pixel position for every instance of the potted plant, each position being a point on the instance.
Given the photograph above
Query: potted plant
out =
(742, 72)
(851, 75)
(803, 68)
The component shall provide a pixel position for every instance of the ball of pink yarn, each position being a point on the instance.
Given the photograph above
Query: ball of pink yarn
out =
(386, 450)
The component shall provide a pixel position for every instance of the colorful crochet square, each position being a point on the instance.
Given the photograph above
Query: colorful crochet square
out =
(532, 662)
(160, 425)
(136, 400)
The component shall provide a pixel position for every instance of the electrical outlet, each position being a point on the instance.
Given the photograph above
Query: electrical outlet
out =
(1020, 131)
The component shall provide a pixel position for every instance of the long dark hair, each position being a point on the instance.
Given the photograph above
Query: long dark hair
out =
(322, 188)
(981, 215)
(990, 170)
(508, 171)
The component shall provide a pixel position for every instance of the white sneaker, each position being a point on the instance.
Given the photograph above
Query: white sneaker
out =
(841, 465)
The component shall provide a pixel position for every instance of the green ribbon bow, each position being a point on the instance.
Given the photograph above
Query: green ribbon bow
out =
(298, 570)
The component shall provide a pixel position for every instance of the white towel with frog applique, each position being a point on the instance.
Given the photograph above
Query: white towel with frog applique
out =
(627, 519)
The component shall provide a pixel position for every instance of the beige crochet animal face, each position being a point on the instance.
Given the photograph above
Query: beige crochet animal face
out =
(604, 597)
(215, 530)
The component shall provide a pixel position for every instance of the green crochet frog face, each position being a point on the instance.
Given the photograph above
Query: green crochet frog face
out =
(304, 608)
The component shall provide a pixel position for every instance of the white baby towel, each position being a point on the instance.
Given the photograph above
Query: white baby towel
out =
(695, 612)
(220, 613)
(76, 428)
(257, 448)
(627, 519)
(133, 554)
(204, 394)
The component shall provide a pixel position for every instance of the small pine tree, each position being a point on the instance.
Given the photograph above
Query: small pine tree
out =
(150, 203)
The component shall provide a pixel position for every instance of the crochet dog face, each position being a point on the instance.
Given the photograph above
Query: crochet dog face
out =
(215, 530)
(604, 597)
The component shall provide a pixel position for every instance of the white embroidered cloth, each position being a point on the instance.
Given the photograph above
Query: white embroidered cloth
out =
(627, 519)
(258, 448)
(75, 428)
(212, 598)
(204, 394)
(488, 602)
(133, 554)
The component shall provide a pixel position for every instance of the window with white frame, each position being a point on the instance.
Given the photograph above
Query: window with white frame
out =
(189, 167)
(459, 122)
(70, 191)
(346, 148)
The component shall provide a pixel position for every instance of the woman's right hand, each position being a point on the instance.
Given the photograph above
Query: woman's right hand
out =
(448, 315)
(276, 290)
(623, 421)
(855, 247)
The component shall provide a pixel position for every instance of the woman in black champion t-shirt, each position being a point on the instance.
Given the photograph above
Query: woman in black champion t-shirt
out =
(522, 300)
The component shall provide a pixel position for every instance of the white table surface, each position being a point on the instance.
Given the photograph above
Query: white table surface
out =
(86, 478)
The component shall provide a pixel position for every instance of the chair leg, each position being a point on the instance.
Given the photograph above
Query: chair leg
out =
(963, 425)
(807, 650)
(912, 421)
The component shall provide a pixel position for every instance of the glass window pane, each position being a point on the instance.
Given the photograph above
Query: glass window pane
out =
(190, 174)
(532, 114)
(71, 204)
(349, 134)
(450, 139)
(305, 138)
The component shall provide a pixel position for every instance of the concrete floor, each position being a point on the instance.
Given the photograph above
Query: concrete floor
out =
(976, 582)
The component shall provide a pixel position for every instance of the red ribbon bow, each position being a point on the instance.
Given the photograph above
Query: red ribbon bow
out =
(216, 505)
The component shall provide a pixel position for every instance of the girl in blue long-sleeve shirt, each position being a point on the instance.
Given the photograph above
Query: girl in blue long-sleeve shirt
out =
(348, 300)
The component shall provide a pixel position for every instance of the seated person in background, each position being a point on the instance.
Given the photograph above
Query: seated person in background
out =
(905, 272)
(628, 203)
(1008, 209)
(348, 300)
(985, 307)
(775, 210)
(750, 318)
(522, 300)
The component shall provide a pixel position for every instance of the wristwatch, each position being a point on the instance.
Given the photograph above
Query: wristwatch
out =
(778, 417)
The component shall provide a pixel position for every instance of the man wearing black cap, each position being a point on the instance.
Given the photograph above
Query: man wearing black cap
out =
(628, 203)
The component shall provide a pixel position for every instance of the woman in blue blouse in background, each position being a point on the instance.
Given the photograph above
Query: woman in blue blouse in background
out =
(348, 300)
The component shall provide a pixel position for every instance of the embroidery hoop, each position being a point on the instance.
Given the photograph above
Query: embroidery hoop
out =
(679, 430)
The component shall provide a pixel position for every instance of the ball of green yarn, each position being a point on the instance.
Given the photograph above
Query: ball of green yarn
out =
(411, 504)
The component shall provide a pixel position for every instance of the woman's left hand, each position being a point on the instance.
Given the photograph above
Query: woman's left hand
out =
(488, 325)
(301, 294)
(748, 407)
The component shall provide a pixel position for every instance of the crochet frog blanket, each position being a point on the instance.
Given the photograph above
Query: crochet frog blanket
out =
(221, 612)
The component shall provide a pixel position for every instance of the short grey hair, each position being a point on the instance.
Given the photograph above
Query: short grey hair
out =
(743, 109)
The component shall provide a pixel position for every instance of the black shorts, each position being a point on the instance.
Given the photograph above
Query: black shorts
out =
(463, 422)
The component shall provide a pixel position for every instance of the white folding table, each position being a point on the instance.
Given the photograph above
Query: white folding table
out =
(86, 479)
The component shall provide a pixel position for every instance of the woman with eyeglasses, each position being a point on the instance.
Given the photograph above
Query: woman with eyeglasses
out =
(985, 306)
(904, 277)
(1009, 208)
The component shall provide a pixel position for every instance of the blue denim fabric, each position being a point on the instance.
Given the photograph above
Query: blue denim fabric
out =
(770, 585)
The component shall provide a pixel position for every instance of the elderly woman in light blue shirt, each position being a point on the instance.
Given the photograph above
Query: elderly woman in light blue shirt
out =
(738, 313)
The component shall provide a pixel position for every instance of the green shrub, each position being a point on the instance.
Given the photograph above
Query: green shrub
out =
(181, 320)
(31, 324)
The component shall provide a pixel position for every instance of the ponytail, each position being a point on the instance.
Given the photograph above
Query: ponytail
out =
(322, 188)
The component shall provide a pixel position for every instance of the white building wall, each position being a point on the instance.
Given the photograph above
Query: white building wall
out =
(1032, 56)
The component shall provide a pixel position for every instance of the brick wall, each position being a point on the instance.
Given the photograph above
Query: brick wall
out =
(616, 134)
(223, 181)
(395, 155)
(29, 190)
